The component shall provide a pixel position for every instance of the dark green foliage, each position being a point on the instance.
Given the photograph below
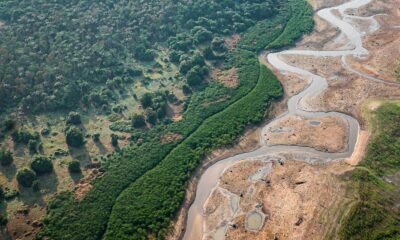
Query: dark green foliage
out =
(26, 177)
(72, 53)
(6, 157)
(35, 186)
(45, 131)
(301, 21)
(373, 215)
(96, 137)
(202, 35)
(186, 89)
(23, 136)
(158, 194)
(196, 75)
(121, 126)
(33, 146)
(41, 165)
(114, 140)
(138, 121)
(218, 44)
(151, 117)
(74, 137)
(146, 100)
(74, 118)
(9, 124)
(206, 110)
(74, 166)
(2, 195)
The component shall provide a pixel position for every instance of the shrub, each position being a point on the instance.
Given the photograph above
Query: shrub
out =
(138, 121)
(114, 140)
(146, 100)
(6, 157)
(74, 118)
(32, 145)
(151, 117)
(74, 166)
(74, 137)
(9, 124)
(26, 177)
(96, 137)
(42, 165)
(23, 136)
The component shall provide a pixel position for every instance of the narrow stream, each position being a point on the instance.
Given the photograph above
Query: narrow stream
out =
(210, 178)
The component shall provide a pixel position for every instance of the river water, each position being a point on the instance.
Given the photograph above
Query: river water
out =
(210, 178)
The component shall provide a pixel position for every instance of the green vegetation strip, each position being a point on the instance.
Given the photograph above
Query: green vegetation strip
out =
(163, 186)
(374, 215)
(151, 201)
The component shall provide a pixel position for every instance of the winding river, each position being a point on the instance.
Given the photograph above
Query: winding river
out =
(210, 177)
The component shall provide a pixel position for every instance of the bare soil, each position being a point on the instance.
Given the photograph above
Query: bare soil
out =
(323, 133)
(302, 200)
(295, 197)
(229, 77)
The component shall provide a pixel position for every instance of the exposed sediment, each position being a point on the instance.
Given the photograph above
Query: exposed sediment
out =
(295, 192)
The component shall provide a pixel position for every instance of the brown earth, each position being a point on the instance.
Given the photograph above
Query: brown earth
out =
(329, 133)
(229, 77)
(296, 198)
(232, 41)
(302, 200)
(248, 142)
(170, 137)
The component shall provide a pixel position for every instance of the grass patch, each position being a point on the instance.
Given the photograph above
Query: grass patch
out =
(143, 185)
(374, 215)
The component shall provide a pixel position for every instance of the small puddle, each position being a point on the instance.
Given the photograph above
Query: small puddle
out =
(261, 172)
(315, 123)
(254, 221)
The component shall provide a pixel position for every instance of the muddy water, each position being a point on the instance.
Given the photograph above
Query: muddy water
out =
(210, 178)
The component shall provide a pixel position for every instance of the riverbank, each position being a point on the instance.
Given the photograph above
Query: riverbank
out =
(312, 208)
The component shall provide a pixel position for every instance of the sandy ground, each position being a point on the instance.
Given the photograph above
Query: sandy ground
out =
(248, 142)
(295, 198)
(328, 133)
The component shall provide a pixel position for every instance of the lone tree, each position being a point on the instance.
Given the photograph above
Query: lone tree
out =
(74, 118)
(26, 177)
(74, 166)
(74, 137)
(151, 117)
(138, 121)
(146, 100)
(32, 145)
(114, 140)
(42, 165)
(96, 137)
(6, 157)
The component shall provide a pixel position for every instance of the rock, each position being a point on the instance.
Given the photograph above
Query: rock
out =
(37, 224)
(299, 221)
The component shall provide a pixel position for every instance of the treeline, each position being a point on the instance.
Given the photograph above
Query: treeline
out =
(149, 204)
(64, 54)
(207, 123)
(374, 214)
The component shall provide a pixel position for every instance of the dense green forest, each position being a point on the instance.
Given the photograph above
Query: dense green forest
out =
(65, 54)
(374, 214)
(62, 55)
(143, 202)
